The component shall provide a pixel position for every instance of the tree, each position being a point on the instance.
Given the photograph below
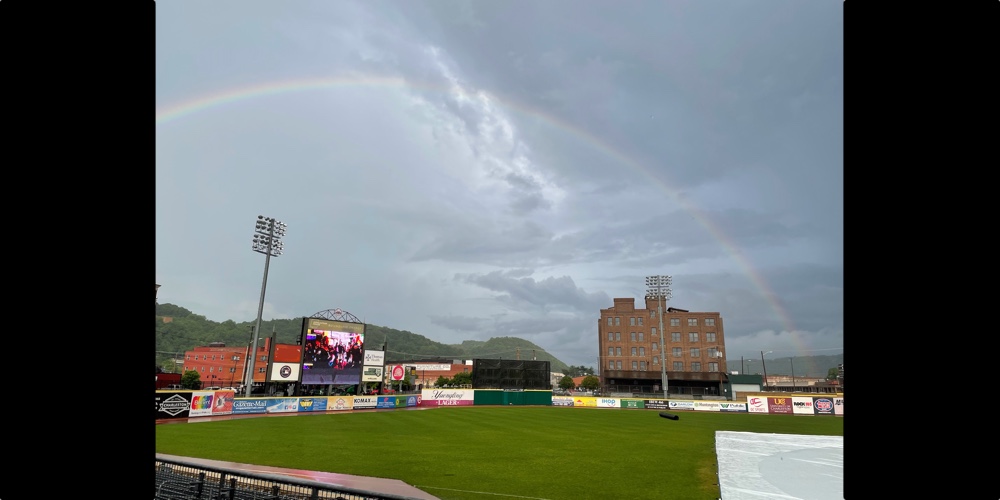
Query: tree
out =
(463, 378)
(191, 380)
(591, 382)
(831, 374)
(442, 381)
(566, 383)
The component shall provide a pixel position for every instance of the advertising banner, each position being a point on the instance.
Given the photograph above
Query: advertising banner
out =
(361, 402)
(656, 404)
(681, 405)
(374, 358)
(631, 403)
(412, 400)
(282, 405)
(401, 401)
(779, 405)
(756, 405)
(802, 405)
(823, 406)
(584, 402)
(562, 401)
(607, 403)
(244, 406)
(432, 367)
(448, 397)
(707, 406)
(201, 403)
(372, 373)
(340, 403)
(838, 406)
(397, 372)
(173, 404)
(223, 404)
(312, 404)
(386, 402)
(284, 372)
(741, 407)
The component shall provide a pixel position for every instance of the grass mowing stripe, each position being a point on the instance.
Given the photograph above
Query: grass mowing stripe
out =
(538, 452)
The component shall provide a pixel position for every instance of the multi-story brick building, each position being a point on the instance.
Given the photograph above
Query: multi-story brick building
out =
(222, 366)
(630, 350)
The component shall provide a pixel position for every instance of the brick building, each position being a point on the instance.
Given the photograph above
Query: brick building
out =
(630, 350)
(221, 366)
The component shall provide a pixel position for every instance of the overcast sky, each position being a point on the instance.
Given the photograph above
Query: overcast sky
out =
(474, 169)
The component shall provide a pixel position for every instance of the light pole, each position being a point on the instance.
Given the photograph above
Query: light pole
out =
(659, 287)
(266, 240)
(762, 353)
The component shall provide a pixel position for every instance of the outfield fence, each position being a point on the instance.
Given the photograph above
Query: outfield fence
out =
(188, 404)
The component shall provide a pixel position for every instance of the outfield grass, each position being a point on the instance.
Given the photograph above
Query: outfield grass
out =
(463, 453)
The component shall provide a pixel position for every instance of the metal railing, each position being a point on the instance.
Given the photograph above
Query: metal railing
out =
(180, 480)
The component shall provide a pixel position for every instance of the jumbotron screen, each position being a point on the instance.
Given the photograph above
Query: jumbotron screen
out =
(333, 352)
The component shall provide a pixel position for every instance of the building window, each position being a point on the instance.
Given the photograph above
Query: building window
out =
(232, 370)
(709, 337)
(611, 336)
(713, 352)
(656, 360)
(631, 322)
(675, 322)
(618, 335)
(695, 352)
(187, 357)
(213, 357)
(633, 336)
(652, 332)
(692, 321)
(203, 369)
(693, 337)
(677, 352)
(640, 320)
(709, 321)
(635, 365)
(611, 365)
(655, 346)
(713, 367)
(675, 337)
(618, 321)
(633, 351)
(618, 350)
(263, 358)
(611, 351)
(609, 321)
(619, 365)
(642, 351)
(641, 338)
(652, 314)
(678, 366)
(261, 369)
(642, 366)
(696, 366)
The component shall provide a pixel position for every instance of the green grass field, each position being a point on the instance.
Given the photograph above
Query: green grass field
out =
(496, 452)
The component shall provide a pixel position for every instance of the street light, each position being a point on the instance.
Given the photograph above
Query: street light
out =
(659, 287)
(266, 240)
(762, 353)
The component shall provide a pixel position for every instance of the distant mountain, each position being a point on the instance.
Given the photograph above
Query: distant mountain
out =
(179, 330)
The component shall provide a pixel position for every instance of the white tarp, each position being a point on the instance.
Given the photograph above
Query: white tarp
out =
(783, 466)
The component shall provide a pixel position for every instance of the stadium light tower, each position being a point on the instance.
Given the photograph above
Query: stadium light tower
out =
(266, 240)
(659, 287)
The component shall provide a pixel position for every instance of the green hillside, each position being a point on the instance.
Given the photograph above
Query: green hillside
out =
(186, 330)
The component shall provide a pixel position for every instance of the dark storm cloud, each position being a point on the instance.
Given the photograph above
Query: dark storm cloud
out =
(547, 294)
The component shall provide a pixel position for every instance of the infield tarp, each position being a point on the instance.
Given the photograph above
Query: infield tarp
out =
(755, 466)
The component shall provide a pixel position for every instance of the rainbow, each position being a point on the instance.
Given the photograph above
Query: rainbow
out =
(221, 98)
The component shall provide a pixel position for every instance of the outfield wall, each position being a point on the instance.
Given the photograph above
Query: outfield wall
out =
(188, 404)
